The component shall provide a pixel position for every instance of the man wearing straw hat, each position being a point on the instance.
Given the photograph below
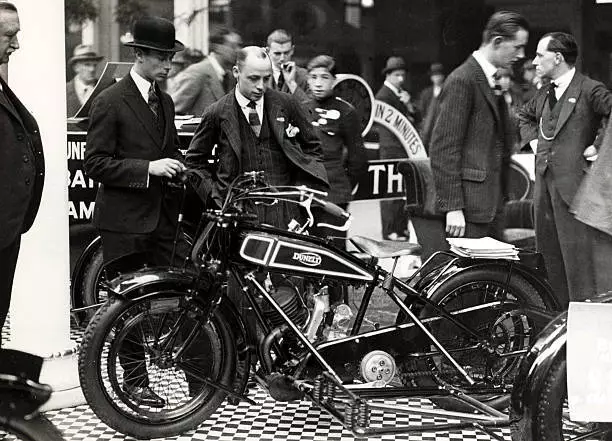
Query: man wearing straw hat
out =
(132, 145)
(84, 63)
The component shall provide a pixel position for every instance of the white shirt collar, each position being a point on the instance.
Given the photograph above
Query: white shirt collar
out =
(142, 84)
(488, 69)
(216, 66)
(564, 81)
(243, 102)
(82, 90)
(392, 87)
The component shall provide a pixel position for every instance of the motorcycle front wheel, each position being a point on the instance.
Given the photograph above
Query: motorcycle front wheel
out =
(550, 421)
(162, 341)
(38, 428)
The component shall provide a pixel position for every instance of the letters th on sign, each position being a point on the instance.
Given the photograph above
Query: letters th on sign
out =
(589, 361)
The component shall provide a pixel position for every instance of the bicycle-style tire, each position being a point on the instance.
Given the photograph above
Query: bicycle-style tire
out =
(184, 410)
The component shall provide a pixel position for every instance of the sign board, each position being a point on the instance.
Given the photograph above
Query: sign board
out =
(589, 361)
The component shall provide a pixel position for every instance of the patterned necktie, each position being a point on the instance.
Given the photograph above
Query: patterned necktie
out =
(552, 97)
(254, 121)
(154, 102)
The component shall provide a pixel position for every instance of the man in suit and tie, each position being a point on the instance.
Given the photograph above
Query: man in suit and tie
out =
(393, 216)
(561, 123)
(132, 145)
(257, 128)
(286, 75)
(84, 63)
(203, 83)
(472, 139)
(22, 168)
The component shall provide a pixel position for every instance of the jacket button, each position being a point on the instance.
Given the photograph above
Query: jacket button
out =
(27, 181)
(26, 159)
(20, 137)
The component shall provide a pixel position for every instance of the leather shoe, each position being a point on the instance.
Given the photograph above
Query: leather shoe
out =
(144, 396)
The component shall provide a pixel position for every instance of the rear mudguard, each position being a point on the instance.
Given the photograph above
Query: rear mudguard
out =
(150, 281)
(529, 382)
(530, 267)
(76, 279)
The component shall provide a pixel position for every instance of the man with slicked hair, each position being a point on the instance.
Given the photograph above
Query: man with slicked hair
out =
(256, 128)
(561, 123)
(471, 141)
(286, 75)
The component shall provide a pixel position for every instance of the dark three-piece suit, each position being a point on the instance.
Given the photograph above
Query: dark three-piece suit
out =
(575, 254)
(22, 174)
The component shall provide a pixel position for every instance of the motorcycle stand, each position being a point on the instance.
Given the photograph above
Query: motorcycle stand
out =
(355, 412)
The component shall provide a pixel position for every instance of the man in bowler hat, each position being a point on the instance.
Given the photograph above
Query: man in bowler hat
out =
(132, 145)
(393, 216)
(429, 103)
(84, 62)
(22, 165)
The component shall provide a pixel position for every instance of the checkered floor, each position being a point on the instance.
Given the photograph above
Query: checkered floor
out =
(268, 420)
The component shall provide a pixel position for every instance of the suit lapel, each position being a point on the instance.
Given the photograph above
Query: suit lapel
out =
(570, 97)
(4, 101)
(230, 124)
(484, 86)
(141, 110)
(276, 117)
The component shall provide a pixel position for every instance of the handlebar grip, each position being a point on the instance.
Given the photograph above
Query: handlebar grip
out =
(332, 208)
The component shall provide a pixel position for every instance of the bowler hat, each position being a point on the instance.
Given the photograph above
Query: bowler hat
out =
(394, 63)
(155, 33)
(84, 52)
(436, 69)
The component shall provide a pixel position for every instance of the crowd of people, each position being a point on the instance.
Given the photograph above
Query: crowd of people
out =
(261, 111)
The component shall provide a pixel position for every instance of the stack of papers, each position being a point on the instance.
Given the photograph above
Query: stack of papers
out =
(483, 248)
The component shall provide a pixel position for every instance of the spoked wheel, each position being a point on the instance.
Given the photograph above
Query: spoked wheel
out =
(503, 333)
(551, 417)
(93, 291)
(38, 428)
(162, 341)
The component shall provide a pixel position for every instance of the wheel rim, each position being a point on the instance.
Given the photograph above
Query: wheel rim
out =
(156, 323)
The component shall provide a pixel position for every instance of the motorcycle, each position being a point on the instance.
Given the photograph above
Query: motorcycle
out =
(21, 395)
(539, 407)
(251, 304)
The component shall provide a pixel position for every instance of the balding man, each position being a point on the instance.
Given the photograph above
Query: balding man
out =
(256, 128)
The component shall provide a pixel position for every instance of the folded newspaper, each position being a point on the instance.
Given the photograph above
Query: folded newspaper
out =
(483, 248)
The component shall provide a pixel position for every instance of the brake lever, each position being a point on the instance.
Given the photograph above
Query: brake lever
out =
(344, 227)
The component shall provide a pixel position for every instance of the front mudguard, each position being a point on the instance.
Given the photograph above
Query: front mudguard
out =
(78, 273)
(443, 266)
(529, 382)
(150, 281)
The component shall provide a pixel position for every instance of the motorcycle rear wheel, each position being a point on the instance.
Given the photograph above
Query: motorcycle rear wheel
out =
(503, 328)
(158, 327)
(38, 428)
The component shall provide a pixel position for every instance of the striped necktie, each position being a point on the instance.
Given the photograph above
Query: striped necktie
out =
(254, 121)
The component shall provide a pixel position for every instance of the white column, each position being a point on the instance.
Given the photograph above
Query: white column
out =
(88, 33)
(191, 22)
(39, 314)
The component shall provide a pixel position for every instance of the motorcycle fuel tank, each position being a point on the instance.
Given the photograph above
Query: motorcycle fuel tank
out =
(289, 254)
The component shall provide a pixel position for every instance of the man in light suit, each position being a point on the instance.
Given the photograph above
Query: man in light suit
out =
(286, 75)
(255, 128)
(84, 62)
(561, 123)
(472, 138)
(22, 168)
(203, 83)
(131, 145)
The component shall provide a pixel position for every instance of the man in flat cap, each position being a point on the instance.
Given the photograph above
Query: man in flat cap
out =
(132, 145)
(84, 63)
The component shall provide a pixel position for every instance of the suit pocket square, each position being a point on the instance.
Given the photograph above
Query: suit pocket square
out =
(281, 119)
(572, 100)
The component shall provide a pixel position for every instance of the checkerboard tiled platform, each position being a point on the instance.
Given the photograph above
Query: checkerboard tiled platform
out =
(268, 420)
